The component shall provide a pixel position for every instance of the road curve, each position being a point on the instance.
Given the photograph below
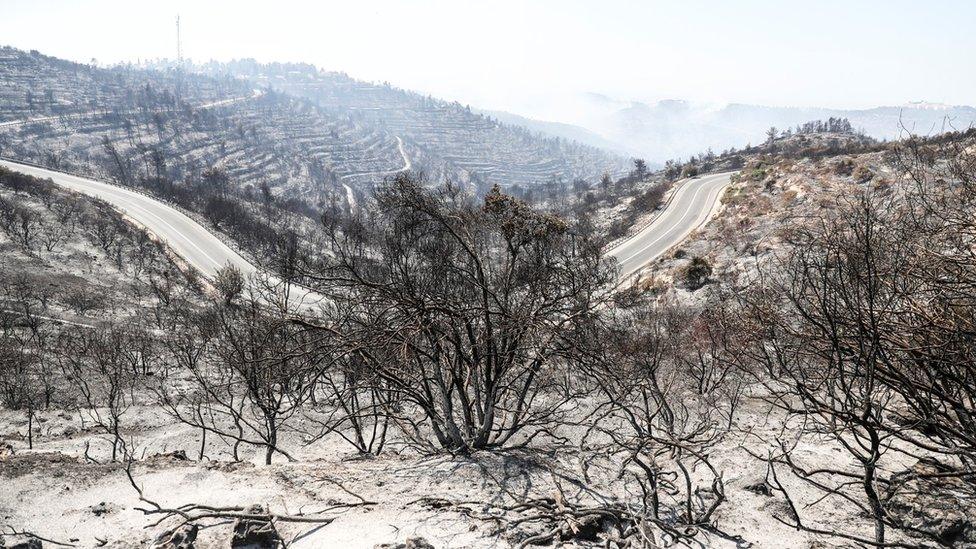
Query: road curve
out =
(195, 244)
(351, 196)
(407, 165)
(690, 207)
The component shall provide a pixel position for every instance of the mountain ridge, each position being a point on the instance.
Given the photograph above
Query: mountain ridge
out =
(678, 128)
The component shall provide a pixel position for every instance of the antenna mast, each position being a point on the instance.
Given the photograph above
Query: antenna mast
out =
(179, 45)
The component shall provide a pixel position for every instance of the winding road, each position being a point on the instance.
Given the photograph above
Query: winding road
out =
(407, 166)
(195, 244)
(690, 207)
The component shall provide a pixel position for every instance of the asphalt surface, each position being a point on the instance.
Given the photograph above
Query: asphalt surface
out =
(351, 196)
(198, 246)
(407, 165)
(690, 207)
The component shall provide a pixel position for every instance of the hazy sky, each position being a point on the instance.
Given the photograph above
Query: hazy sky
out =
(526, 56)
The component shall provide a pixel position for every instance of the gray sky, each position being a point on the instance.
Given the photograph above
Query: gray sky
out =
(529, 56)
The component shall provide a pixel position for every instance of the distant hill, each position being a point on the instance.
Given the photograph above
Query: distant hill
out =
(304, 133)
(451, 139)
(678, 129)
(570, 132)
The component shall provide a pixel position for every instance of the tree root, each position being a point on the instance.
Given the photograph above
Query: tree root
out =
(11, 531)
(192, 512)
(618, 524)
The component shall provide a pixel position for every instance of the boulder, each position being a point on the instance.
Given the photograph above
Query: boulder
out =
(257, 533)
(929, 498)
(183, 537)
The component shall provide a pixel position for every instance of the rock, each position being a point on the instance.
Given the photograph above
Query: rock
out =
(942, 505)
(102, 509)
(434, 503)
(19, 542)
(178, 455)
(410, 543)
(255, 533)
(759, 487)
(180, 538)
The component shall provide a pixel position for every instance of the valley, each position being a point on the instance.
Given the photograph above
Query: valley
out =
(257, 296)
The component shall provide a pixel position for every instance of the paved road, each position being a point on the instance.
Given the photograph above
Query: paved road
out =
(407, 165)
(692, 205)
(351, 196)
(189, 239)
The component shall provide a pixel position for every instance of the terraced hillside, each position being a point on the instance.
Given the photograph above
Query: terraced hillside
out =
(287, 129)
(137, 124)
(38, 86)
(451, 139)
